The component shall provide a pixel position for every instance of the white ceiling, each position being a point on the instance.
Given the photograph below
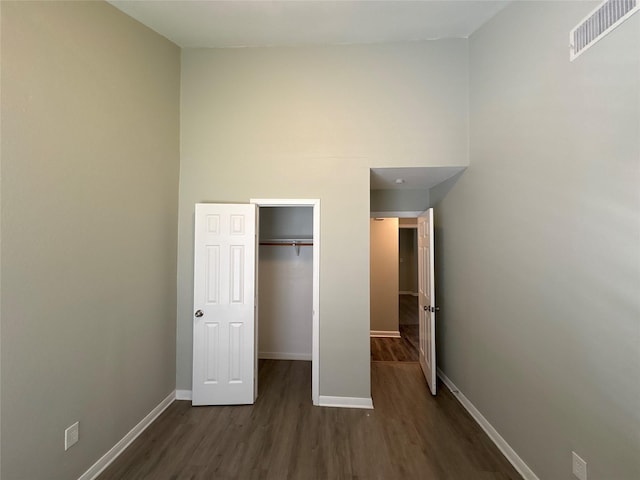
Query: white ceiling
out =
(240, 23)
(416, 178)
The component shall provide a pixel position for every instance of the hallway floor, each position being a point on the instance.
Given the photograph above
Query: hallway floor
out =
(405, 348)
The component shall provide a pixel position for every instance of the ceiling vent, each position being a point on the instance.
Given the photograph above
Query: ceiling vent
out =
(604, 18)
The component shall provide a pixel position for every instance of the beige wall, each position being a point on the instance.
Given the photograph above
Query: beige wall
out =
(539, 243)
(384, 274)
(90, 157)
(408, 222)
(309, 123)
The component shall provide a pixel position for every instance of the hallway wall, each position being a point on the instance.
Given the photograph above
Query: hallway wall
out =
(384, 275)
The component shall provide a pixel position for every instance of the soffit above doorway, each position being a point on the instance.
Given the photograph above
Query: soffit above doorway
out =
(415, 178)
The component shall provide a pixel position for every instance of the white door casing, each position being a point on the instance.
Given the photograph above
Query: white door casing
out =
(224, 302)
(426, 299)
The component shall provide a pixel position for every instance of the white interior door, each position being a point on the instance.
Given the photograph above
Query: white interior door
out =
(223, 304)
(426, 298)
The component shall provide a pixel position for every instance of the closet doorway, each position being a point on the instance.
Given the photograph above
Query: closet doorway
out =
(288, 280)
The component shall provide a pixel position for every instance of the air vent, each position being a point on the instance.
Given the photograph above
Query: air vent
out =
(599, 23)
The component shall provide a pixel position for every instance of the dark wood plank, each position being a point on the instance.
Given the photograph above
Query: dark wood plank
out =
(393, 350)
(409, 334)
(410, 434)
(404, 349)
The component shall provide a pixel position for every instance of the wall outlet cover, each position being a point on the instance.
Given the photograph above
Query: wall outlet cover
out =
(71, 435)
(579, 466)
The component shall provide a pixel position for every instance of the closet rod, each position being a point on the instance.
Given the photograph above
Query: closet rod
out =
(288, 244)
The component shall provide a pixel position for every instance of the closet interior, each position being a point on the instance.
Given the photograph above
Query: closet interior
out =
(285, 283)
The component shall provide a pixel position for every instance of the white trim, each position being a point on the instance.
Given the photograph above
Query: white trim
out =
(315, 349)
(385, 333)
(284, 356)
(346, 402)
(517, 462)
(413, 294)
(283, 202)
(98, 467)
(395, 214)
(183, 395)
(315, 328)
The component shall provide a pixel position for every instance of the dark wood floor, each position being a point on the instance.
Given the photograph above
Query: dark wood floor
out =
(409, 435)
(408, 310)
(405, 348)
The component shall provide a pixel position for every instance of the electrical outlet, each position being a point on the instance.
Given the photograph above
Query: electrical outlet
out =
(71, 435)
(579, 466)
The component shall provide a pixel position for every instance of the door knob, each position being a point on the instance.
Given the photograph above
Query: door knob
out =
(199, 313)
(426, 308)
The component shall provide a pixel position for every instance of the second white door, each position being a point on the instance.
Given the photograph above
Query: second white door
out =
(426, 299)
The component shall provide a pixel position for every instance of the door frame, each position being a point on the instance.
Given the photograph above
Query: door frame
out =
(315, 329)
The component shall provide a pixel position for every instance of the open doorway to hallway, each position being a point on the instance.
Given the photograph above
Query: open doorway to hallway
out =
(403, 193)
(394, 290)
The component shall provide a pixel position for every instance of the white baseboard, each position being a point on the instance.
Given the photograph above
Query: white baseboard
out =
(385, 333)
(517, 462)
(183, 394)
(284, 356)
(345, 402)
(97, 468)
